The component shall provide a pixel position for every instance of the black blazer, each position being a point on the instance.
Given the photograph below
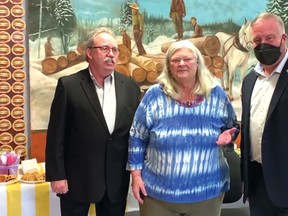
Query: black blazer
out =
(274, 140)
(79, 147)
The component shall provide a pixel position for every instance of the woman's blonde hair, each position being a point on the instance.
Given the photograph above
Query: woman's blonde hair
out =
(204, 80)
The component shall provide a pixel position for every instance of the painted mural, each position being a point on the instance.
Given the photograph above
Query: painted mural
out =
(221, 29)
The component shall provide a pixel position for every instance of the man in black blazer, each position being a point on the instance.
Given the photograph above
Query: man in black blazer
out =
(264, 136)
(87, 136)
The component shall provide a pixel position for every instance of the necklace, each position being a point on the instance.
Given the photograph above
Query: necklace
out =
(192, 103)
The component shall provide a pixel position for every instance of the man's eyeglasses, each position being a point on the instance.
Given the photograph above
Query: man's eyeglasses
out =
(106, 49)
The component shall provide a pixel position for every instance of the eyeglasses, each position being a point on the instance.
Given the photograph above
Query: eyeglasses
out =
(185, 60)
(106, 49)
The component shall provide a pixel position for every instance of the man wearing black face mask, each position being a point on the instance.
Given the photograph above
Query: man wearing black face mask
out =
(264, 133)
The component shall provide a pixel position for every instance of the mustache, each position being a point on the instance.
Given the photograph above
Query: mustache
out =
(109, 59)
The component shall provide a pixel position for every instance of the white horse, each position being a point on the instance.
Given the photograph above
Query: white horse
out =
(235, 50)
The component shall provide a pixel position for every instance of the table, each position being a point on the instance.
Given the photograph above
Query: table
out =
(22, 199)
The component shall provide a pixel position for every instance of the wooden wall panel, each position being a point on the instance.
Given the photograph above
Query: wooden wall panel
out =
(38, 144)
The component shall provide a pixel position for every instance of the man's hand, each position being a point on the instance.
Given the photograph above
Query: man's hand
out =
(59, 187)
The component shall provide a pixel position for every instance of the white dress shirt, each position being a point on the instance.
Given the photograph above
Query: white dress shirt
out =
(107, 98)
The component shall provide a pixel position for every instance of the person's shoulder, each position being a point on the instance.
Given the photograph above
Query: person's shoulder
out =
(218, 90)
(124, 78)
(77, 75)
(154, 91)
(251, 75)
(155, 87)
(138, 14)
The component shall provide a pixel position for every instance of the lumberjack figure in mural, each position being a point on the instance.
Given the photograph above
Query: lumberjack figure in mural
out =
(177, 12)
(126, 40)
(138, 28)
(48, 47)
(198, 31)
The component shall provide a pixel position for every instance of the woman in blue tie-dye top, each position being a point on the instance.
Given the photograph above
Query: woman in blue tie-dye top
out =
(176, 140)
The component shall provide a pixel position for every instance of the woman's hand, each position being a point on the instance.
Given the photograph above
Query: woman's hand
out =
(138, 187)
(226, 137)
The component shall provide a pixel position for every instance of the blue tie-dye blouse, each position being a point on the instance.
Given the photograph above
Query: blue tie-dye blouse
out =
(175, 146)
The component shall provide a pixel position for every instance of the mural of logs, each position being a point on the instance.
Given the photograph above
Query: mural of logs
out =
(54, 64)
(143, 69)
(209, 46)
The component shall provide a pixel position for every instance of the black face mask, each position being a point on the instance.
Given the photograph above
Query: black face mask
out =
(267, 54)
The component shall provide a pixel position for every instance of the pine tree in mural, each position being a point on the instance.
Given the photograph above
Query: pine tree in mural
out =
(279, 7)
(66, 21)
(38, 9)
(285, 13)
(150, 32)
(126, 13)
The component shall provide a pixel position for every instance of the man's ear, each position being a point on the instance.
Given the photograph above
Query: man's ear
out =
(88, 53)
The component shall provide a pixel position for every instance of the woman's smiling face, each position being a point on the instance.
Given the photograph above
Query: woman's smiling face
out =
(183, 65)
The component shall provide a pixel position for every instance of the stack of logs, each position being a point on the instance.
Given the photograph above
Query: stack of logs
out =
(209, 46)
(143, 69)
(54, 64)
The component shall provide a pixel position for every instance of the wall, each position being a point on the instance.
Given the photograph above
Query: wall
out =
(38, 144)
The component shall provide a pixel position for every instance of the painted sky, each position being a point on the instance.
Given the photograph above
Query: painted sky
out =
(207, 11)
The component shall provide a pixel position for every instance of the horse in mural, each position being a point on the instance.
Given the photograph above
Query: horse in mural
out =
(235, 50)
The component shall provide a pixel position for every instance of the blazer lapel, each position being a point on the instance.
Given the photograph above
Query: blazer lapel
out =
(90, 91)
(280, 86)
(119, 98)
(248, 88)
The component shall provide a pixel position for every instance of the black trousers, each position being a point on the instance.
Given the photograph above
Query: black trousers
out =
(103, 208)
(259, 200)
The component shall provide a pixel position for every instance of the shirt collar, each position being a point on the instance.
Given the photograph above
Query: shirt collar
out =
(111, 77)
